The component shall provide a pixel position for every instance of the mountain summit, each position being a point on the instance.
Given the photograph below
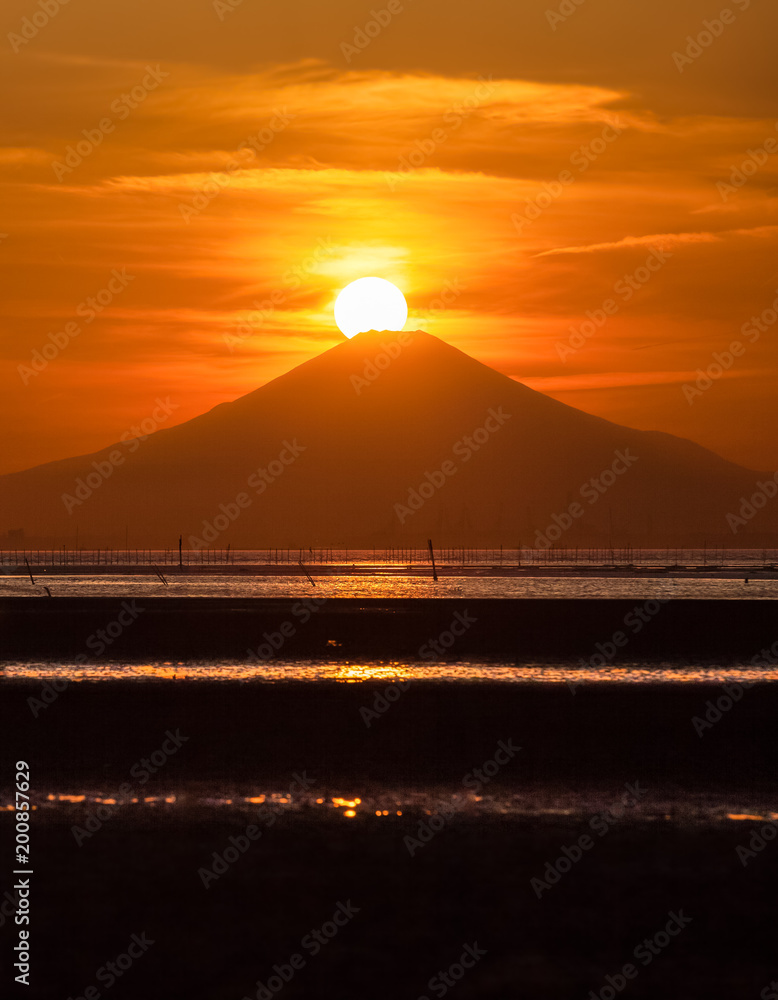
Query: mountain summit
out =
(386, 439)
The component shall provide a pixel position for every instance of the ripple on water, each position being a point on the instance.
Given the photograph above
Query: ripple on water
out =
(357, 672)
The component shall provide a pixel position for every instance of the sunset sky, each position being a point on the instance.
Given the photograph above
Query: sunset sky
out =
(255, 158)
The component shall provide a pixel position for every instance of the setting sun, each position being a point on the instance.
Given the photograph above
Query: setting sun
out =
(370, 304)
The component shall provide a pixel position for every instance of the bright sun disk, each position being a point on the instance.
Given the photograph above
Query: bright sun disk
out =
(370, 304)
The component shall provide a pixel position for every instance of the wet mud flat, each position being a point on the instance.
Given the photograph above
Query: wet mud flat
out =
(615, 630)
(411, 917)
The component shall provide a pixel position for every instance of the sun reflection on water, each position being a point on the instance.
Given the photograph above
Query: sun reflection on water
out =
(371, 672)
(388, 804)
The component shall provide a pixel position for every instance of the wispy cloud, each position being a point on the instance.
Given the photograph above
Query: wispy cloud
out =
(654, 239)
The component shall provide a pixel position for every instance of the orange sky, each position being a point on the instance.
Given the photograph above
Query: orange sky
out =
(421, 158)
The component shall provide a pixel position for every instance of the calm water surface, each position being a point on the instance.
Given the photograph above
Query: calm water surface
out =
(385, 672)
(761, 585)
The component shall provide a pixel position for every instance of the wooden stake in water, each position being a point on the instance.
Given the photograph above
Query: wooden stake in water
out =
(180, 540)
(29, 571)
(307, 574)
(432, 558)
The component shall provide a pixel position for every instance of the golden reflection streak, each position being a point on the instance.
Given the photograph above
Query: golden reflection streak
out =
(356, 673)
(360, 673)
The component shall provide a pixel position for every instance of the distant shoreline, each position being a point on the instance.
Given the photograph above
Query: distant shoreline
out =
(750, 570)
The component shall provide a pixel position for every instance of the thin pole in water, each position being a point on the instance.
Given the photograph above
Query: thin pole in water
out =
(432, 558)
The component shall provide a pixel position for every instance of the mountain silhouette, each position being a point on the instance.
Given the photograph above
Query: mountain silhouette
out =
(386, 439)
